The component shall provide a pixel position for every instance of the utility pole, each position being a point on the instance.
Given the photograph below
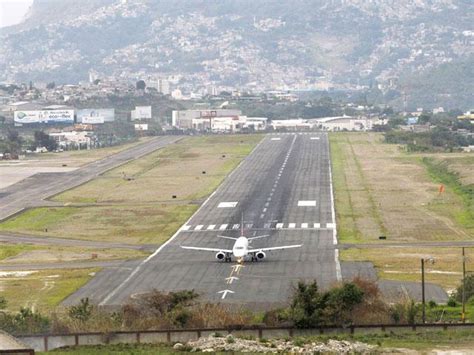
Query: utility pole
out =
(423, 316)
(463, 315)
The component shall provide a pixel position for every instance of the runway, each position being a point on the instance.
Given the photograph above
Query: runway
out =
(284, 190)
(32, 191)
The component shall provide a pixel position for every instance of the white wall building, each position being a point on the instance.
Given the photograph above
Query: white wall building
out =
(76, 139)
(342, 123)
(291, 124)
(184, 119)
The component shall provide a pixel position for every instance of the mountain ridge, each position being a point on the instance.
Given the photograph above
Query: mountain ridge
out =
(252, 45)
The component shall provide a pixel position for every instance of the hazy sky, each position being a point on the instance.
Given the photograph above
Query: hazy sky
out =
(12, 11)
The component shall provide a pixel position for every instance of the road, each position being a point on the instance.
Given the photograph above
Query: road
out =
(284, 190)
(32, 191)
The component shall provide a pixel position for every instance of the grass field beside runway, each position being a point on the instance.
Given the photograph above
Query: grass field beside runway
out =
(403, 263)
(76, 158)
(189, 169)
(132, 224)
(380, 190)
(140, 208)
(31, 254)
(42, 289)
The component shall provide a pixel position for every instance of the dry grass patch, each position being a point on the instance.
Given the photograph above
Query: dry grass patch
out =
(152, 224)
(41, 289)
(380, 190)
(26, 254)
(76, 158)
(175, 170)
(403, 263)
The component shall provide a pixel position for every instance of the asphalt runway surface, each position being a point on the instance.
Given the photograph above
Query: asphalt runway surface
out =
(32, 191)
(283, 188)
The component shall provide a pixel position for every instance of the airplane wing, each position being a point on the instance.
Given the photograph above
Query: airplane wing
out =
(258, 237)
(275, 248)
(207, 249)
(225, 237)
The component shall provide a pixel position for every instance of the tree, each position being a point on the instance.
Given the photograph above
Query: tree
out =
(424, 118)
(469, 289)
(51, 85)
(141, 85)
(44, 140)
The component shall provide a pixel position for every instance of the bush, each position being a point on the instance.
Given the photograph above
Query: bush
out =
(3, 302)
(469, 289)
(452, 302)
(24, 322)
(310, 308)
(82, 311)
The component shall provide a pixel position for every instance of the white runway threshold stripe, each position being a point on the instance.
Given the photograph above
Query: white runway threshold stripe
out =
(270, 226)
(314, 138)
(309, 203)
(275, 139)
(227, 204)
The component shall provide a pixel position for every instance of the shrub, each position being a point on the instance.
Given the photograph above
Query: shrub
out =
(3, 302)
(82, 311)
(469, 289)
(24, 322)
(452, 302)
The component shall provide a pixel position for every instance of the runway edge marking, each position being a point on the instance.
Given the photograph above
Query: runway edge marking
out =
(333, 216)
(133, 273)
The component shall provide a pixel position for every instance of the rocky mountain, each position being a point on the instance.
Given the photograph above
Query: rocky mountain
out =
(267, 44)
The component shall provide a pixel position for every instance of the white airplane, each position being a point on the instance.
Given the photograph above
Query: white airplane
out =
(241, 249)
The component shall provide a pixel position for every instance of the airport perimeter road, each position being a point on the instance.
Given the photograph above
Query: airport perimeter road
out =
(284, 190)
(31, 191)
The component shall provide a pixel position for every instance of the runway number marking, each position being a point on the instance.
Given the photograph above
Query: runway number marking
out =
(310, 203)
(227, 204)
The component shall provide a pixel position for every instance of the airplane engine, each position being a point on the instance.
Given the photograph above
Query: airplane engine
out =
(260, 255)
(220, 256)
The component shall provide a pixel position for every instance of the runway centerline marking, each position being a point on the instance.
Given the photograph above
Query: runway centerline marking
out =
(227, 204)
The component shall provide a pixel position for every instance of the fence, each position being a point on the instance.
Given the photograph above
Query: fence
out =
(54, 341)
